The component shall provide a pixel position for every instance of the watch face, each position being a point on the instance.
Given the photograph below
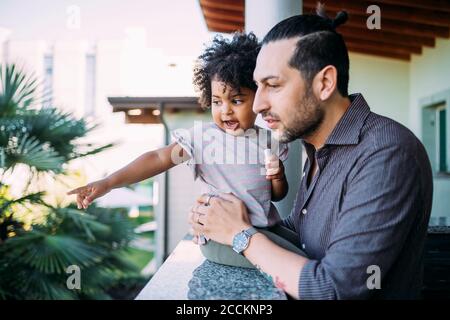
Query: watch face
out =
(240, 242)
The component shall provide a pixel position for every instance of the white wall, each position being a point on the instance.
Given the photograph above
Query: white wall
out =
(124, 67)
(430, 74)
(69, 67)
(384, 82)
(393, 88)
(27, 55)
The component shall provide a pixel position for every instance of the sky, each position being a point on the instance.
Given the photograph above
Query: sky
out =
(176, 26)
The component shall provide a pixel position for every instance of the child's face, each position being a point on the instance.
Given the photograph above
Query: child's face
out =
(232, 108)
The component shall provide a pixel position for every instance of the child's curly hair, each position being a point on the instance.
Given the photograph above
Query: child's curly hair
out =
(229, 61)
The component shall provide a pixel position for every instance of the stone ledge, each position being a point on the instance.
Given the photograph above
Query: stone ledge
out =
(187, 275)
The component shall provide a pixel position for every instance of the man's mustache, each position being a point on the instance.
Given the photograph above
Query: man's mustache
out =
(270, 115)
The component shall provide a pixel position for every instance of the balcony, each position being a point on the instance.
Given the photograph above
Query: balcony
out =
(186, 275)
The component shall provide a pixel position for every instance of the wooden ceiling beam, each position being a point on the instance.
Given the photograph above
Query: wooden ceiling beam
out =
(223, 26)
(234, 5)
(376, 52)
(400, 49)
(385, 36)
(441, 5)
(401, 27)
(429, 17)
(223, 15)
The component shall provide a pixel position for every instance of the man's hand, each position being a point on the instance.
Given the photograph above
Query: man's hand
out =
(225, 216)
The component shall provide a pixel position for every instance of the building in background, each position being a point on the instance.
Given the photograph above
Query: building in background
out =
(403, 70)
(85, 53)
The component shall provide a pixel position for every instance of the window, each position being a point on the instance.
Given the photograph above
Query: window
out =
(434, 128)
(90, 85)
(48, 81)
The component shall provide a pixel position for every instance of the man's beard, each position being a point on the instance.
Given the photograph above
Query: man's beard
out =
(307, 117)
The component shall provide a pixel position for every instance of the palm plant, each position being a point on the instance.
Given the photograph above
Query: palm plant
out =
(34, 257)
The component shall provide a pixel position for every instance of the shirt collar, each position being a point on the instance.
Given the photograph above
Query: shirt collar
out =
(348, 129)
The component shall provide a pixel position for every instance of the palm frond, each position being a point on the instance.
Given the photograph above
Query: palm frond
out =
(28, 150)
(121, 228)
(17, 89)
(30, 198)
(52, 253)
(91, 150)
(34, 255)
(84, 222)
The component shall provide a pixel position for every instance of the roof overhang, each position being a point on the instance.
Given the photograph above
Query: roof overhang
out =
(406, 26)
(149, 109)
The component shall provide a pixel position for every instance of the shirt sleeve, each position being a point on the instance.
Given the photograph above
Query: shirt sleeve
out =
(377, 212)
(185, 138)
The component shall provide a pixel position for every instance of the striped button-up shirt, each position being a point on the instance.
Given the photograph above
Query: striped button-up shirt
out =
(363, 219)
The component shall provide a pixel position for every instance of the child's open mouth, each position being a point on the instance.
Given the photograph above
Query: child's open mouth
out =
(231, 125)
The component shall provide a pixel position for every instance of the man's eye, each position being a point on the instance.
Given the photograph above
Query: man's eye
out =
(272, 85)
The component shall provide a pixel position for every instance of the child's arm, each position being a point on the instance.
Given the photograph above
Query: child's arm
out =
(147, 165)
(275, 172)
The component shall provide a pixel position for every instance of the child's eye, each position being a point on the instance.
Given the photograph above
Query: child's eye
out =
(237, 101)
(216, 103)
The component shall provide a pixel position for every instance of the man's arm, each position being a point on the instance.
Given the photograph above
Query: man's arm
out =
(377, 213)
(283, 268)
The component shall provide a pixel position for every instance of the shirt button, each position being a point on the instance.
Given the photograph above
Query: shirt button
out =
(303, 246)
(304, 211)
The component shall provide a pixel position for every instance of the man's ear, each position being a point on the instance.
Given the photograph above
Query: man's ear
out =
(325, 82)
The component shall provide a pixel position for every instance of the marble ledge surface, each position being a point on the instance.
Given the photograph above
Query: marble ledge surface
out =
(186, 275)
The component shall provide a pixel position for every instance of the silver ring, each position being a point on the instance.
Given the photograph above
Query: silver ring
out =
(198, 219)
(208, 199)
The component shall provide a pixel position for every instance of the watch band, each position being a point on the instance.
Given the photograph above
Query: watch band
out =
(250, 231)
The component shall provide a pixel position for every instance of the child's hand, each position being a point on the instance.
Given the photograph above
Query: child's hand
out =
(274, 168)
(90, 192)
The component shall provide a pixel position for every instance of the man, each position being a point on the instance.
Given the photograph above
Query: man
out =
(363, 205)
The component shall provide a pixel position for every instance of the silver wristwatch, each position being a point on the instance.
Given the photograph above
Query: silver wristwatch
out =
(242, 239)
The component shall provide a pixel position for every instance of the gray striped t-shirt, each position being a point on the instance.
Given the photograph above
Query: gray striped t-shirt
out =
(227, 163)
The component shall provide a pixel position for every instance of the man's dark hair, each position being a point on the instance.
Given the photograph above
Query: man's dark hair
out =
(320, 45)
(230, 61)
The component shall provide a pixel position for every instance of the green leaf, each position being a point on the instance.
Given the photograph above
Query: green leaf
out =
(17, 90)
(85, 222)
(30, 151)
(53, 253)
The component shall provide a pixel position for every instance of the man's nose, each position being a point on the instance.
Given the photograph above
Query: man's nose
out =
(260, 103)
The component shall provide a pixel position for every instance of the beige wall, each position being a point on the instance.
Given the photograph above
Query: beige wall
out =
(393, 88)
(384, 83)
(430, 74)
